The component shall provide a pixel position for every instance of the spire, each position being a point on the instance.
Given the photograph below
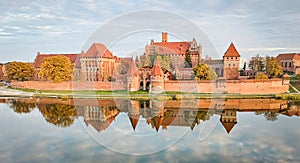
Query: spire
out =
(156, 69)
(228, 126)
(231, 51)
(133, 70)
(134, 121)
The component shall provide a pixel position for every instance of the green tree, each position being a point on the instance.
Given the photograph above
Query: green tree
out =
(204, 72)
(273, 67)
(20, 71)
(165, 62)
(188, 60)
(261, 75)
(145, 60)
(123, 67)
(257, 63)
(153, 57)
(57, 68)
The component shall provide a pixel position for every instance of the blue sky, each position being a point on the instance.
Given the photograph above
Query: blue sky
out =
(266, 27)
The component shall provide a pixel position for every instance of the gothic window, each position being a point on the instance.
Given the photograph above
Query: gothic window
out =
(233, 65)
(229, 65)
(285, 65)
(290, 64)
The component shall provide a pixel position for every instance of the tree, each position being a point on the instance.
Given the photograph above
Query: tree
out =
(21, 107)
(145, 60)
(20, 71)
(273, 67)
(61, 115)
(57, 68)
(153, 57)
(123, 67)
(165, 62)
(204, 72)
(257, 63)
(188, 60)
(261, 75)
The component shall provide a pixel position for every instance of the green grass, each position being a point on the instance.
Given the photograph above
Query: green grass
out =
(140, 95)
(288, 96)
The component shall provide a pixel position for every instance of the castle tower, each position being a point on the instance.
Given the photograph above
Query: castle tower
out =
(133, 77)
(157, 78)
(231, 61)
(134, 113)
(164, 37)
(228, 119)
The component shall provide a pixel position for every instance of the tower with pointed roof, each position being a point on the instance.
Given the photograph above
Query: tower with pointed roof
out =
(157, 78)
(133, 77)
(228, 119)
(231, 61)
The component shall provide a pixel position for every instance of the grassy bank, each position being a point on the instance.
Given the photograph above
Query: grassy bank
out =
(141, 95)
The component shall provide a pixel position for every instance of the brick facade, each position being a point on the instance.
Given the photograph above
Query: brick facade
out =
(290, 62)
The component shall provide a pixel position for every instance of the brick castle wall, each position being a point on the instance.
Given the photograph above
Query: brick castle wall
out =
(40, 85)
(249, 86)
(268, 86)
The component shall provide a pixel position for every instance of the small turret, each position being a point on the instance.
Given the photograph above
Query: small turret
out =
(133, 77)
(157, 78)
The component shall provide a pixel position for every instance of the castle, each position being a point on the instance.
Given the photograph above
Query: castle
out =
(108, 72)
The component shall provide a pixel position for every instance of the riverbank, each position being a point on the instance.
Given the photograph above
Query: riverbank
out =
(138, 95)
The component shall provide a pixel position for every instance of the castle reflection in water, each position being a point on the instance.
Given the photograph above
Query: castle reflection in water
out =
(158, 114)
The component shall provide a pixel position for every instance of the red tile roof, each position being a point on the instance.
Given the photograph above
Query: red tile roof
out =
(288, 56)
(171, 47)
(134, 121)
(231, 51)
(1, 71)
(133, 70)
(40, 57)
(99, 125)
(228, 126)
(98, 50)
(156, 70)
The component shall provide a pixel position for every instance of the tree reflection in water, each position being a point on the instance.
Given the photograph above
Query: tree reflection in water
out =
(21, 106)
(61, 115)
(269, 115)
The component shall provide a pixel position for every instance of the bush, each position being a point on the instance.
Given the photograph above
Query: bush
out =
(261, 75)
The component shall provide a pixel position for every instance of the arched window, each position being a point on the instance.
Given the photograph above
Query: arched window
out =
(290, 64)
(285, 65)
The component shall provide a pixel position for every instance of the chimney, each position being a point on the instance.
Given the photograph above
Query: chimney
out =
(164, 37)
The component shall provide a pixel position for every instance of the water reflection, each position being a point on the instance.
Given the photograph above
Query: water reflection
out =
(157, 114)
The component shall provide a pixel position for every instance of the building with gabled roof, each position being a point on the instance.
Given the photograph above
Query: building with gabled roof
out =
(290, 62)
(176, 50)
(97, 64)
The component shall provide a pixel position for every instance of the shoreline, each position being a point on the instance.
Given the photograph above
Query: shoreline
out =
(138, 95)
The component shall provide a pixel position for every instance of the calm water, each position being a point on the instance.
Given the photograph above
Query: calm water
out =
(88, 130)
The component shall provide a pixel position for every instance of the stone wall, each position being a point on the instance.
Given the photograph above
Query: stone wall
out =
(253, 86)
(250, 86)
(76, 85)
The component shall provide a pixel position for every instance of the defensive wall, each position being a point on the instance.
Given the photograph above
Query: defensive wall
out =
(247, 86)
(242, 86)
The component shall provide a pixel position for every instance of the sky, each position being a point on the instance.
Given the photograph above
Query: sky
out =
(256, 27)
